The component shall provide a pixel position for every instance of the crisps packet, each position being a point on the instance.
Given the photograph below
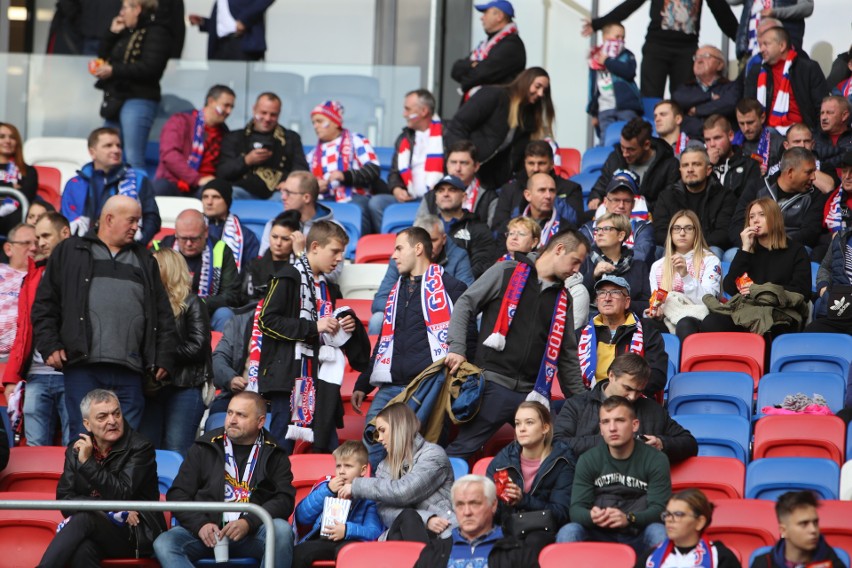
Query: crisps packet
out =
(501, 480)
(744, 280)
(658, 298)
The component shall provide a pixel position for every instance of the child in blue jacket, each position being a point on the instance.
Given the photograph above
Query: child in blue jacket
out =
(363, 522)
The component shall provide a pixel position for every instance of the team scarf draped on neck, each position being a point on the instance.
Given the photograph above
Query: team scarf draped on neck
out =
(762, 153)
(752, 48)
(196, 151)
(587, 350)
(238, 487)
(836, 210)
(505, 257)
(436, 307)
(700, 556)
(11, 175)
(210, 276)
(346, 152)
(434, 167)
(680, 145)
(484, 48)
(471, 193)
(783, 91)
(255, 346)
(232, 234)
(845, 87)
(550, 228)
(611, 47)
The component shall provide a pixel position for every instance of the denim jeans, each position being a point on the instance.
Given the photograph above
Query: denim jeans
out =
(124, 382)
(650, 537)
(380, 400)
(607, 117)
(134, 122)
(178, 548)
(220, 317)
(171, 418)
(45, 397)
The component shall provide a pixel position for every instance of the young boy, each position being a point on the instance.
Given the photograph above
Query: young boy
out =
(362, 524)
(613, 94)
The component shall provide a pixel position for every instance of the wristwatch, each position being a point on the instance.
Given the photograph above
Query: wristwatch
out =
(631, 518)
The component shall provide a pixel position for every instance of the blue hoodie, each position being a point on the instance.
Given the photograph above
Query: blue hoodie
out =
(623, 71)
(363, 522)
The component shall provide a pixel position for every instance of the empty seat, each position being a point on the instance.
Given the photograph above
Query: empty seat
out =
(168, 464)
(768, 478)
(65, 154)
(481, 465)
(25, 534)
(812, 352)
(361, 281)
(308, 469)
(744, 524)
(33, 468)
(571, 159)
(170, 208)
(360, 306)
(724, 351)
(353, 426)
(460, 467)
(253, 210)
(773, 387)
(586, 180)
(388, 554)
(50, 185)
(834, 522)
(718, 478)
(711, 393)
(399, 216)
(375, 249)
(594, 158)
(804, 436)
(609, 554)
(725, 435)
(348, 215)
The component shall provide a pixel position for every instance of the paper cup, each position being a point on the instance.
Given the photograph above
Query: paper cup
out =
(220, 551)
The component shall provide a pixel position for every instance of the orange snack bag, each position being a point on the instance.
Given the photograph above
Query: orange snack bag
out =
(744, 280)
(658, 298)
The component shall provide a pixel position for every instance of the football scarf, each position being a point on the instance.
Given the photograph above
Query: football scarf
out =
(471, 194)
(210, 276)
(238, 488)
(484, 48)
(232, 234)
(754, 16)
(549, 369)
(255, 346)
(835, 210)
(783, 91)
(680, 145)
(508, 307)
(611, 47)
(550, 228)
(434, 167)
(587, 350)
(845, 87)
(346, 152)
(762, 153)
(700, 556)
(11, 175)
(196, 151)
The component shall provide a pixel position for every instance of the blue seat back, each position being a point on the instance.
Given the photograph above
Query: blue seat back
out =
(710, 392)
(586, 180)
(769, 478)
(256, 210)
(594, 158)
(385, 156)
(348, 215)
(613, 133)
(773, 387)
(672, 345)
(215, 420)
(724, 435)
(399, 216)
(168, 464)
(812, 352)
(460, 467)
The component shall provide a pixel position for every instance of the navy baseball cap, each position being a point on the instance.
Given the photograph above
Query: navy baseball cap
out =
(623, 179)
(502, 5)
(617, 280)
(453, 181)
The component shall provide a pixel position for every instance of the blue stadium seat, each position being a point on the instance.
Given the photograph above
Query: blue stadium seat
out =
(399, 216)
(385, 156)
(231, 562)
(586, 180)
(648, 103)
(708, 392)
(168, 464)
(215, 420)
(254, 214)
(812, 352)
(594, 158)
(348, 215)
(814, 269)
(769, 478)
(612, 135)
(460, 467)
(724, 435)
(152, 157)
(672, 344)
(841, 554)
(773, 387)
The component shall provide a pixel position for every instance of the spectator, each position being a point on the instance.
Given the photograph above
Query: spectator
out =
(671, 40)
(651, 159)
(215, 278)
(613, 94)
(445, 253)
(257, 158)
(79, 26)
(110, 461)
(411, 331)
(835, 135)
(501, 120)
(839, 77)
(762, 143)
(412, 484)
(551, 214)
(14, 173)
(668, 117)
(465, 229)
(37, 210)
(516, 354)
(789, 86)
(191, 144)
(617, 329)
(299, 193)
(418, 159)
(499, 58)
(734, 170)
(20, 248)
(101, 314)
(284, 247)
(801, 543)
(540, 473)
(627, 376)
(235, 31)
(621, 488)
(709, 92)
(790, 15)
(362, 523)
(622, 198)
(45, 395)
(175, 404)
(800, 136)
(690, 269)
(476, 540)
(130, 64)
(217, 196)
(344, 162)
(256, 470)
(231, 356)
(105, 176)
(687, 516)
(699, 191)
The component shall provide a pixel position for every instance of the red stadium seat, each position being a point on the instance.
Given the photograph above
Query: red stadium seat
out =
(834, 522)
(499, 440)
(308, 469)
(740, 352)
(353, 427)
(744, 524)
(717, 477)
(215, 337)
(388, 554)
(375, 249)
(33, 468)
(481, 466)
(804, 436)
(50, 185)
(609, 554)
(25, 534)
(570, 166)
(362, 308)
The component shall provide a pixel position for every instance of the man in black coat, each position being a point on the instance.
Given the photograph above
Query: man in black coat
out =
(710, 92)
(734, 170)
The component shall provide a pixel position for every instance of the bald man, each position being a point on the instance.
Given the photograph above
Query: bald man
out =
(215, 277)
(102, 316)
(708, 93)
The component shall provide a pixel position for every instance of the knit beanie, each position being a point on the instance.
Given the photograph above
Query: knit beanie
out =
(225, 189)
(332, 110)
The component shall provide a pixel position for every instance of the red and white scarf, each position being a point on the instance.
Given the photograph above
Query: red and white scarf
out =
(346, 152)
(11, 175)
(484, 48)
(680, 145)
(232, 234)
(437, 309)
(783, 91)
(434, 167)
(238, 487)
(255, 345)
(587, 349)
(471, 193)
(550, 228)
(834, 210)
(845, 87)
(611, 47)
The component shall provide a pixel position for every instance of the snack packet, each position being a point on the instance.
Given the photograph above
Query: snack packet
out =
(744, 280)
(658, 298)
(95, 64)
(501, 480)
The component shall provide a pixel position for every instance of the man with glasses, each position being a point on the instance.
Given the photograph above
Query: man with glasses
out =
(710, 92)
(19, 248)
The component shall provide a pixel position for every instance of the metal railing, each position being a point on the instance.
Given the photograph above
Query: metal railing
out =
(265, 517)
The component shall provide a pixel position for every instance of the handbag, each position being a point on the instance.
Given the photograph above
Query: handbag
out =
(146, 532)
(519, 525)
(111, 106)
(840, 303)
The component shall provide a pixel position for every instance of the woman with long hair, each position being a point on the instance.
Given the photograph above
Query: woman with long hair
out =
(688, 268)
(14, 173)
(412, 484)
(174, 404)
(500, 120)
(767, 256)
(540, 473)
(687, 515)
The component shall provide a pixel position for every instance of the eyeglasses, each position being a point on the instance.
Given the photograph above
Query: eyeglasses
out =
(519, 234)
(688, 229)
(598, 230)
(675, 515)
(25, 243)
(289, 193)
(625, 201)
(609, 293)
(189, 239)
(700, 56)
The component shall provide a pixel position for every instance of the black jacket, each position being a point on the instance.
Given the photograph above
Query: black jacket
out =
(789, 268)
(486, 201)
(472, 235)
(202, 478)
(261, 180)
(662, 172)
(512, 199)
(193, 365)
(715, 212)
(29, 187)
(830, 154)
(508, 552)
(806, 81)
(692, 95)
(60, 313)
(578, 424)
(504, 62)
(138, 59)
(738, 172)
(634, 270)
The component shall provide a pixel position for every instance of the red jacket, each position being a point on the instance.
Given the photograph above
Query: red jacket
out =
(175, 147)
(22, 350)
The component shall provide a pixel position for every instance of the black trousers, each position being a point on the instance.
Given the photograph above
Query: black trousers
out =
(306, 553)
(683, 329)
(408, 525)
(229, 49)
(662, 61)
(88, 538)
(826, 325)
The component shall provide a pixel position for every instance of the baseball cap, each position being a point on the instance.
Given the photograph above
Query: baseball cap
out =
(623, 179)
(617, 280)
(453, 181)
(502, 5)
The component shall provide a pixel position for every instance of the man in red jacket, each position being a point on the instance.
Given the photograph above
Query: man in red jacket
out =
(45, 392)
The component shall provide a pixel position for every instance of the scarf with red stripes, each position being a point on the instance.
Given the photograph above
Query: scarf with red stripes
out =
(11, 175)
(702, 556)
(255, 345)
(347, 152)
(783, 91)
(434, 167)
(196, 151)
(471, 194)
(484, 48)
(680, 145)
(587, 350)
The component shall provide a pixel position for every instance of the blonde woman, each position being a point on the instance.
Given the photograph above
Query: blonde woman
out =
(688, 269)
(174, 406)
(412, 484)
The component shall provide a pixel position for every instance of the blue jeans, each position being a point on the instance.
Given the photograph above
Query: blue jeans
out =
(375, 325)
(134, 122)
(178, 548)
(380, 400)
(220, 317)
(607, 117)
(45, 397)
(171, 418)
(650, 537)
(124, 382)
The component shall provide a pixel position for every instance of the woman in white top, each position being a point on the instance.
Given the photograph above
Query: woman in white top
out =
(688, 272)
